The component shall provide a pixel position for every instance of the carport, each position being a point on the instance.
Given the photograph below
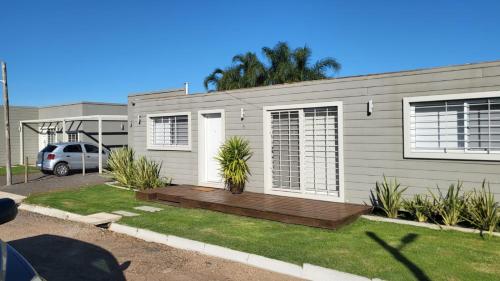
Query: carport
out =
(63, 122)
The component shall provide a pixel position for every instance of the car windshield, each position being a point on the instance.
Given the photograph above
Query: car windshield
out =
(49, 148)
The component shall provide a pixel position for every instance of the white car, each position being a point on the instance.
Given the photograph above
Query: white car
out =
(62, 158)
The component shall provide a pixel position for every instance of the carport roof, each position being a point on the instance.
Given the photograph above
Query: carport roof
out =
(79, 118)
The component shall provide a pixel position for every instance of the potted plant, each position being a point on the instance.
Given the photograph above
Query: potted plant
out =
(233, 156)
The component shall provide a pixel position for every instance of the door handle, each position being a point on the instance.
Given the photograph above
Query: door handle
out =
(68, 156)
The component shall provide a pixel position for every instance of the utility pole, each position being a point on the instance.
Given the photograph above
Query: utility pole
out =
(7, 124)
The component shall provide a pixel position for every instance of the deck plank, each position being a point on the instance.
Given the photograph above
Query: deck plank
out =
(308, 212)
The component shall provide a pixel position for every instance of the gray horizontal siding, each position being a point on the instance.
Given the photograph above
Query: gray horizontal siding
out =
(373, 145)
(17, 114)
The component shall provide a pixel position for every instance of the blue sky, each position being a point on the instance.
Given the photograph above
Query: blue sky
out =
(67, 50)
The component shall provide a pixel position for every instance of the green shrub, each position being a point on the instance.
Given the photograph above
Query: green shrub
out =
(388, 197)
(129, 172)
(147, 174)
(481, 209)
(121, 165)
(420, 207)
(233, 157)
(450, 206)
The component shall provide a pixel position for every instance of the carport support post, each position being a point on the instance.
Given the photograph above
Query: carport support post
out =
(26, 170)
(65, 135)
(100, 144)
(83, 164)
(21, 142)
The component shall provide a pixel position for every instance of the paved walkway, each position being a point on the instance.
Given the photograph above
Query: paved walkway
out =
(39, 182)
(62, 250)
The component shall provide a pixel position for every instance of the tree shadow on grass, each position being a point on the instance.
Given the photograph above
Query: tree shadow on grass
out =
(396, 252)
(59, 258)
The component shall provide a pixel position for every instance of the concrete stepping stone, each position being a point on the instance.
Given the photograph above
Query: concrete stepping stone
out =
(148, 209)
(99, 218)
(125, 213)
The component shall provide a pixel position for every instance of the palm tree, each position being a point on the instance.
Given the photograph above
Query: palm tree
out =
(284, 66)
(253, 72)
(293, 66)
(227, 79)
(280, 68)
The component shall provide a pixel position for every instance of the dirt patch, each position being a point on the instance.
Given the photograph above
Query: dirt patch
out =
(62, 250)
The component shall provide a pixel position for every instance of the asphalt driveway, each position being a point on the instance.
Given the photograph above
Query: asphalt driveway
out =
(39, 182)
(62, 250)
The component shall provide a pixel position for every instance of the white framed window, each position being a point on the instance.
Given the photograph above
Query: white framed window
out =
(169, 131)
(73, 137)
(457, 126)
(51, 135)
(303, 151)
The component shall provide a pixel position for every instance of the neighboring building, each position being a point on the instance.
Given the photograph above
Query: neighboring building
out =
(17, 114)
(333, 139)
(114, 132)
(46, 127)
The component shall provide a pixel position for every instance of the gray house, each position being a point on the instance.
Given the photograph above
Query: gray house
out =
(333, 139)
(44, 125)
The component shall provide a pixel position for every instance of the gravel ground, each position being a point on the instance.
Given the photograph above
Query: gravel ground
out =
(63, 250)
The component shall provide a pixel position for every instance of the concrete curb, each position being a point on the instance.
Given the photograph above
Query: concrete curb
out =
(50, 212)
(426, 225)
(94, 219)
(16, 197)
(307, 271)
(318, 273)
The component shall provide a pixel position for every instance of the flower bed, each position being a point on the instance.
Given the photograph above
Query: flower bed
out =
(474, 209)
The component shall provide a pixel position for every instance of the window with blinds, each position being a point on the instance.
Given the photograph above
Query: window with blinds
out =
(286, 150)
(168, 132)
(305, 156)
(51, 135)
(321, 150)
(467, 126)
(73, 137)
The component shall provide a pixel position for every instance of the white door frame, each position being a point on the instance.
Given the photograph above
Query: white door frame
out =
(268, 146)
(201, 145)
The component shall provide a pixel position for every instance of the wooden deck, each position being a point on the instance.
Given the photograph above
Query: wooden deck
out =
(271, 207)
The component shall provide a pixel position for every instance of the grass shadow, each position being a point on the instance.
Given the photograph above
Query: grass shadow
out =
(396, 252)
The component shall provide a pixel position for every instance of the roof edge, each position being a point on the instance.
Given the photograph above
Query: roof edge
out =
(83, 103)
(333, 79)
(164, 91)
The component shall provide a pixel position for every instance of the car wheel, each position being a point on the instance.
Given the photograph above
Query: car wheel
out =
(61, 169)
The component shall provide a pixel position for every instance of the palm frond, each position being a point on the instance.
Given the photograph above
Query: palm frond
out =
(283, 65)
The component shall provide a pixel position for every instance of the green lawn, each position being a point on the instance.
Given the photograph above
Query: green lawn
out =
(19, 170)
(372, 249)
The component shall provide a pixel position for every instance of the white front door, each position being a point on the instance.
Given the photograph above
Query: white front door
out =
(211, 138)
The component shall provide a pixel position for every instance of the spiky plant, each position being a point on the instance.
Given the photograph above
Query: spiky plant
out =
(388, 197)
(147, 174)
(481, 209)
(233, 157)
(420, 207)
(121, 165)
(450, 206)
